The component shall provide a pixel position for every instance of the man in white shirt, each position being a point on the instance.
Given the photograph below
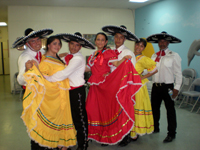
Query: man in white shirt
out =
(75, 73)
(33, 51)
(32, 40)
(120, 35)
(169, 77)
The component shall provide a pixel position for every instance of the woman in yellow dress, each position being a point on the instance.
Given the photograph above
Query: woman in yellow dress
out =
(46, 106)
(143, 113)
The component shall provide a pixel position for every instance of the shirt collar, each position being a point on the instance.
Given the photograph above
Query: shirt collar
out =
(34, 53)
(75, 53)
(120, 48)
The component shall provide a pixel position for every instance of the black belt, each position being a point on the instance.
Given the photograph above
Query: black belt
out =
(162, 84)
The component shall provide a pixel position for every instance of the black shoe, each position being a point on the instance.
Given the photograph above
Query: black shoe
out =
(168, 139)
(103, 145)
(124, 142)
(156, 131)
(135, 139)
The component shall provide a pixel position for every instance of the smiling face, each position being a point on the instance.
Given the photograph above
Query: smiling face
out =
(163, 44)
(119, 40)
(35, 43)
(101, 41)
(54, 46)
(139, 47)
(74, 47)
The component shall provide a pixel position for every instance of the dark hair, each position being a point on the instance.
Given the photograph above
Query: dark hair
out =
(50, 40)
(142, 41)
(104, 36)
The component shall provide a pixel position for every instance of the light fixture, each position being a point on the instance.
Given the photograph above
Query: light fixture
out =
(3, 24)
(138, 1)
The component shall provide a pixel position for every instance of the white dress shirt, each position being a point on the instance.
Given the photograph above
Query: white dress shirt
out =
(169, 69)
(124, 51)
(74, 71)
(26, 55)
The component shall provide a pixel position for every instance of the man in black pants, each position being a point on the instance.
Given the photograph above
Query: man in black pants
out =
(75, 73)
(169, 77)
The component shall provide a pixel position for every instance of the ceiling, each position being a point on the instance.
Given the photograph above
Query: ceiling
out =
(120, 4)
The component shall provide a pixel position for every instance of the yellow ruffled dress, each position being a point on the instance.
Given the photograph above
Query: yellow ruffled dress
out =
(46, 106)
(144, 123)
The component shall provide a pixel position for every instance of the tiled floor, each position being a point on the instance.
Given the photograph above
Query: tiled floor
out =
(13, 134)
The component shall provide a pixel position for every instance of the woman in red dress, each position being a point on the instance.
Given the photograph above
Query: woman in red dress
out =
(110, 101)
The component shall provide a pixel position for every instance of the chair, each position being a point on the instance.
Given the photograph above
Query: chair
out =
(191, 93)
(17, 87)
(188, 76)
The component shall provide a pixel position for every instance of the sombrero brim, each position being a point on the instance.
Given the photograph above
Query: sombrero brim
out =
(40, 33)
(110, 29)
(72, 37)
(17, 43)
(156, 37)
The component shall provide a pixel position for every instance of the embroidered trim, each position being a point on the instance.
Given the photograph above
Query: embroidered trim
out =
(82, 120)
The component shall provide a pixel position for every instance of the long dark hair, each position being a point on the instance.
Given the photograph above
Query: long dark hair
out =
(104, 36)
(50, 40)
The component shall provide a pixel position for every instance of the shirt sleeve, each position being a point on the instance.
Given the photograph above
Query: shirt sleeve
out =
(177, 72)
(133, 59)
(21, 65)
(74, 64)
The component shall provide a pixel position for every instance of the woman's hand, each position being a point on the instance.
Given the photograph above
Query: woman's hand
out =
(63, 55)
(142, 77)
(106, 74)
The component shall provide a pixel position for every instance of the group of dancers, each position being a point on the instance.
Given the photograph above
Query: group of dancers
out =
(56, 111)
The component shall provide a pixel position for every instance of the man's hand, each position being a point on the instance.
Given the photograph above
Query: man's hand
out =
(28, 65)
(175, 93)
(128, 57)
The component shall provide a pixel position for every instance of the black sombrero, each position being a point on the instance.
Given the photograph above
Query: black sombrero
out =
(77, 37)
(17, 40)
(30, 33)
(163, 35)
(110, 29)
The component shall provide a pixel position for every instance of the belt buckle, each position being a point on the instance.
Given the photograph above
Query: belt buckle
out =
(156, 84)
(160, 84)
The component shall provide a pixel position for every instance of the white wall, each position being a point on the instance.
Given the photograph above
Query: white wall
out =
(63, 20)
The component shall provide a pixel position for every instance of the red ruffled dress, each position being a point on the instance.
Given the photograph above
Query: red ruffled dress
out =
(110, 101)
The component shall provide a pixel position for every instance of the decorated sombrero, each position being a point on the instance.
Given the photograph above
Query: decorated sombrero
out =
(110, 29)
(77, 37)
(30, 33)
(163, 35)
(17, 40)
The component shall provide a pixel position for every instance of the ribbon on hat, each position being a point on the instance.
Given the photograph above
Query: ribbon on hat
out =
(68, 58)
(159, 54)
(38, 56)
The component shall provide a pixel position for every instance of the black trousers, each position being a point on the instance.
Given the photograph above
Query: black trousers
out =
(159, 93)
(79, 115)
